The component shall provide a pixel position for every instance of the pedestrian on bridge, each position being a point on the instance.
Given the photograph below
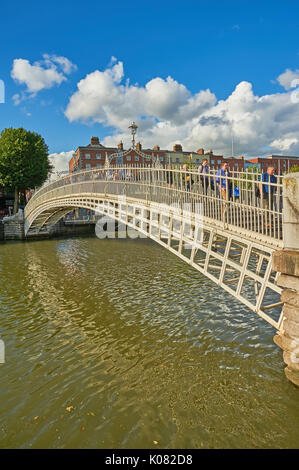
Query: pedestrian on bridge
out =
(223, 182)
(169, 176)
(204, 175)
(267, 188)
(187, 179)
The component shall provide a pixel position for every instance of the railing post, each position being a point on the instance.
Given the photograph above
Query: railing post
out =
(286, 263)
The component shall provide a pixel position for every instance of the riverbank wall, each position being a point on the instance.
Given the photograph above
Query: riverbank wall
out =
(286, 263)
(62, 228)
(12, 228)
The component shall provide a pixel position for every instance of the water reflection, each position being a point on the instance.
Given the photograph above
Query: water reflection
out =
(118, 344)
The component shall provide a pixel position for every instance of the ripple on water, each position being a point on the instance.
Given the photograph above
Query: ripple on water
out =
(119, 343)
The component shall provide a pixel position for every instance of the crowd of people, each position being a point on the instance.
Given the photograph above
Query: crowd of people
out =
(265, 187)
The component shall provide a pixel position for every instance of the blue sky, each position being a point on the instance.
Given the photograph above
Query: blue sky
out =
(200, 45)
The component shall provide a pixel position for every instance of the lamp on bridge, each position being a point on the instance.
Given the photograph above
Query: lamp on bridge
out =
(133, 128)
(107, 162)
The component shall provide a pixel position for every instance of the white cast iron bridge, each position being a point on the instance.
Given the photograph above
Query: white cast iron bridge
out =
(221, 227)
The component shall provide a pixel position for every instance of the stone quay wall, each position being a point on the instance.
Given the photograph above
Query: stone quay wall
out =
(287, 263)
(12, 228)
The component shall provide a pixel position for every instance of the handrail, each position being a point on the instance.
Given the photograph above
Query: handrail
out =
(238, 199)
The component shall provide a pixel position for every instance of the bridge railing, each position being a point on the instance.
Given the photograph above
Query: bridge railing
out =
(236, 199)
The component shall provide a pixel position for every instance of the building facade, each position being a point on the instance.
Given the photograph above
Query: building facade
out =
(280, 163)
(95, 155)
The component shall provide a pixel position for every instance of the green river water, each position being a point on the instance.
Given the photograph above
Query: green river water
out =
(120, 344)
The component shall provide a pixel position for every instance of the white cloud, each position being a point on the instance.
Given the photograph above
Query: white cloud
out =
(60, 161)
(284, 144)
(52, 70)
(35, 77)
(17, 99)
(287, 79)
(167, 113)
(66, 65)
(101, 97)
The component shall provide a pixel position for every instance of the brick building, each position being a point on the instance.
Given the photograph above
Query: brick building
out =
(94, 156)
(234, 163)
(178, 157)
(280, 163)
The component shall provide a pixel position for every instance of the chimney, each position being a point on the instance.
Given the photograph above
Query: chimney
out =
(138, 146)
(94, 141)
(156, 147)
(200, 151)
(177, 148)
(120, 145)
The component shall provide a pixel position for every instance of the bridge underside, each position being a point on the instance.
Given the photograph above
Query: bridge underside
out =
(238, 264)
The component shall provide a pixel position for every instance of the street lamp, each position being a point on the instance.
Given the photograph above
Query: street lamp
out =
(133, 128)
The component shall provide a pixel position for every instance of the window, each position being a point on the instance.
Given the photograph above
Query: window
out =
(219, 162)
(177, 160)
(197, 160)
(161, 159)
(128, 158)
(87, 156)
(212, 162)
(99, 165)
(136, 158)
(148, 159)
(99, 156)
(88, 165)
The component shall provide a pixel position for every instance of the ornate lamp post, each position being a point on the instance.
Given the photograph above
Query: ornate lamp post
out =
(133, 127)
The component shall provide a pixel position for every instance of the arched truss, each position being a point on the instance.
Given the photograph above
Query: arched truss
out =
(240, 266)
(146, 157)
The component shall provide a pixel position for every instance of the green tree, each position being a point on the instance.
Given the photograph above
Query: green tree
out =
(293, 169)
(24, 161)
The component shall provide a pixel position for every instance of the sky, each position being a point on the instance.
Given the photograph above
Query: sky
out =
(192, 72)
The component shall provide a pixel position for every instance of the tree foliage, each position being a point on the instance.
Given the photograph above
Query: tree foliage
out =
(294, 169)
(24, 159)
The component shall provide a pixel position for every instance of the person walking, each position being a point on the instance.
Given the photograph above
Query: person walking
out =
(187, 179)
(224, 185)
(204, 172)
(267, 188)
(223, 182)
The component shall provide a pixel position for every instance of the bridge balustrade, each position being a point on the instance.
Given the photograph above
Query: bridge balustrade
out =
(238, 200)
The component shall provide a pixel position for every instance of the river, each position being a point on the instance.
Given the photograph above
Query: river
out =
(120, 344)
